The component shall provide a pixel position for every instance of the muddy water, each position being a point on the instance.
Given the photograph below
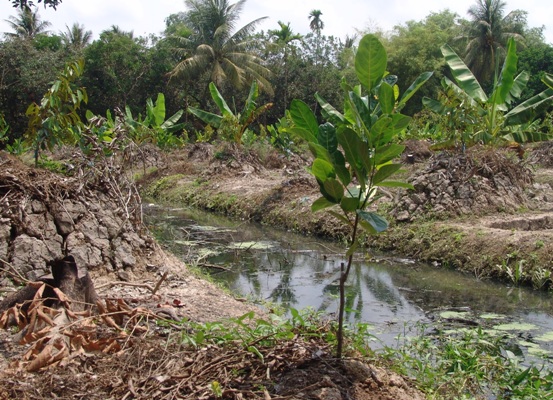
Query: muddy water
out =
(389, 293)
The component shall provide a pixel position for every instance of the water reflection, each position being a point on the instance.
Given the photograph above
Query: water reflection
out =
(299, 272)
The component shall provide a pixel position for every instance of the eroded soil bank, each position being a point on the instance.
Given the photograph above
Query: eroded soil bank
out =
(132, 345)
(485, 212)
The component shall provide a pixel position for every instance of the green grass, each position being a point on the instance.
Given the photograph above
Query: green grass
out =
(471, 364)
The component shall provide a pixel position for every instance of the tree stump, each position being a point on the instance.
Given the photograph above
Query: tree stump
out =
(74, 282)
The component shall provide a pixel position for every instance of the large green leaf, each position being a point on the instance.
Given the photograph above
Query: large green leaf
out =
(339, 162)
(528, 109)
(319, 151)
(415, 86)
(381, 129)
(351, 142)
(219, 100)
(303, 133)
(320, 204)
(327, 137)
(384, 172)
(386, 98)
(370, 62)
(159, 110)
(334, 190)
(372, 222)
(434, 105)
(349, 204)
(209, 118)
(249, 106)
(360, 111)
(387, 153)
(519, 84)
(499, 95)
(172, 120)
(304, 118)
(329, 112)
(548, 80)
(462, 74)
(322, 170)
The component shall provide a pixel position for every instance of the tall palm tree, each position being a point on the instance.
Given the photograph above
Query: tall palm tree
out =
(76, 37)
(316, 24)
(487, 35)
(27, 24)
(215, 46)
(283, 38)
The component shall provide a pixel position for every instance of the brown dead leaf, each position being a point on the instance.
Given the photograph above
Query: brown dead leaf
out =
(31, 337)
(42, 315)
(42, 360)
(39, 292)
(112, 347)
(62, 297)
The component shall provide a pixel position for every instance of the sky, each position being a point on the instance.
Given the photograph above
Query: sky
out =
(341, 17)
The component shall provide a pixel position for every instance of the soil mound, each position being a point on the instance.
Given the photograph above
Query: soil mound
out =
(542, 154)
(44, 217)
(478, 182)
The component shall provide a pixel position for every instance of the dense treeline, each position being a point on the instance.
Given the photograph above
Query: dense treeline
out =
(122, 70)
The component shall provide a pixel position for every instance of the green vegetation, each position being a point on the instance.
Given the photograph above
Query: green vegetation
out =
(201, 56)
(468, 364)
(475, 117)
(357, 146)
(232, 126)
(56, 120)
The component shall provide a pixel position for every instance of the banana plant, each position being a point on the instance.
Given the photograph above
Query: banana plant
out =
(491, 119)
(354, 149)
(154, 126)
(236, 124)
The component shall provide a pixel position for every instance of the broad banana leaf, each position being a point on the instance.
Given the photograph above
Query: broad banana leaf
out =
(158, 111)
(171, 125)
(249, 106)
(528, 109)
(548, 80)
(518, 86)
(219, 100)
(330, 113)
(502, 90)
(209, 118)
(463, 76)
(415, 86)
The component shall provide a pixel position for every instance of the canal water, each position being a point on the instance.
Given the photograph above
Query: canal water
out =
(392, 294)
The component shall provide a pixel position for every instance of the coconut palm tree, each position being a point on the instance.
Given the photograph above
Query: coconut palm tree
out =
(27, 24)
(217, 47)
(487, 35)
(76, 37)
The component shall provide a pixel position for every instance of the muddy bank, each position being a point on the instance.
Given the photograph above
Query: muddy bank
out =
(493, 221)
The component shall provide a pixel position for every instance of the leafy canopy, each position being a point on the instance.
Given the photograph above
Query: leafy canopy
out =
(489, 118)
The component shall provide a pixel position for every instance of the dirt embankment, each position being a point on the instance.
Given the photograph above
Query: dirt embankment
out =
(119, 350)
(485, 212)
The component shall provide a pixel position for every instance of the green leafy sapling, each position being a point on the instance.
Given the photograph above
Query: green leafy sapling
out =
(354, 149)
